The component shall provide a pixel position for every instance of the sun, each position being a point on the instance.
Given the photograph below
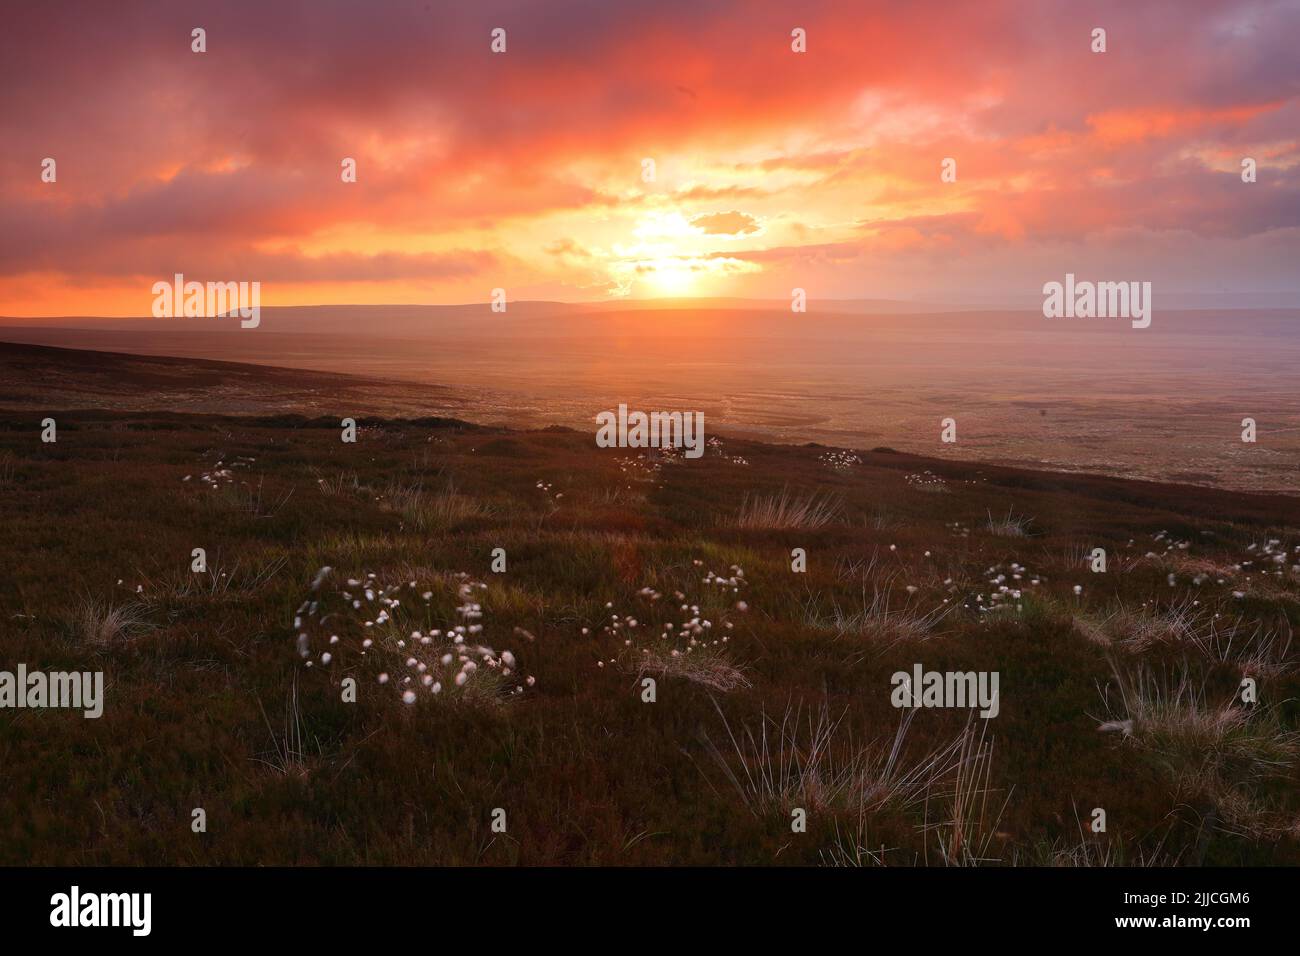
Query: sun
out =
(670, 275)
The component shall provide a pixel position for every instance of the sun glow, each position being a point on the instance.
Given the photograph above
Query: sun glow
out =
(670, 275)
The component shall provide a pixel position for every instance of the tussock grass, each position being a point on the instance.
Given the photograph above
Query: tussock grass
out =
(705, 665)
(1092, 851)
(103, 624)
(1139, 629)
(1010, 525)
(784, 511)
(344, 484)
(182, 584)
(809, 759)
(246, 498)
(1253, 648)
(425, 511)
(1076, 556)
(1220, 757)
(967, 833)
(292, 752)
(1172, 717)
(874, 618)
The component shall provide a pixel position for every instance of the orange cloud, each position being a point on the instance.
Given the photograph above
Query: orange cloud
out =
(524, 170)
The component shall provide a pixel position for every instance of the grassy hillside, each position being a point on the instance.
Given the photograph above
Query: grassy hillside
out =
(772, 686)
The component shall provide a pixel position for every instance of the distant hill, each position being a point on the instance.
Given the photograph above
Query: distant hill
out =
(45, 378)
(526, 316)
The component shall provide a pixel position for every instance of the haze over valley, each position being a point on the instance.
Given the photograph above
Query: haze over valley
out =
(1164, 403)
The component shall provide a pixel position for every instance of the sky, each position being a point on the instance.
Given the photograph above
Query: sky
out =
(525, 170)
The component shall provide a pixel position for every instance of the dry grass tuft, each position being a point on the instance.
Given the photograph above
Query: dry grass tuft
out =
(102, 624)
(289, 755)
(786, 512)
(1174, 720)
(1218, 757)
(1009, 525)
(876, 619)
(966, 835)
(432, 510)
(810, 760)
(705, 665)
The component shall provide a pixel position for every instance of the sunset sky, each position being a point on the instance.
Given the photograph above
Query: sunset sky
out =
(523, 170)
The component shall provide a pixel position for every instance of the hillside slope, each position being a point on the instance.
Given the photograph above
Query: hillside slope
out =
(772, 687)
